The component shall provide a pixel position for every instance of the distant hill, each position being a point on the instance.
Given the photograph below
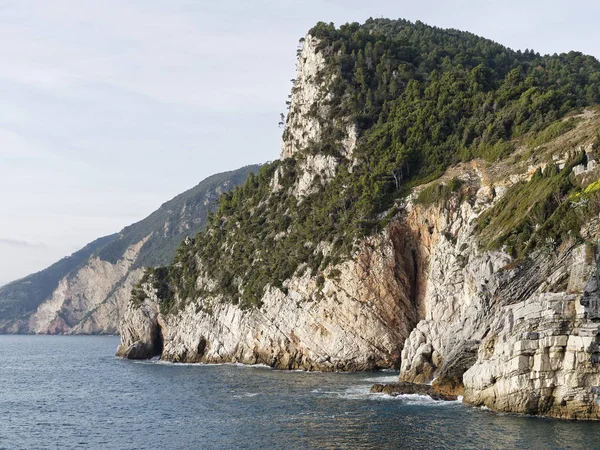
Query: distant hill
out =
(81, 293)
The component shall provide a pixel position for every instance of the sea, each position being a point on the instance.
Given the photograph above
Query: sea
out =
(71, 392)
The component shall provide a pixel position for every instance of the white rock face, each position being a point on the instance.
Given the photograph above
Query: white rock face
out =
(535, 325)
(140, 326)
(315, 170)
(308, 102)
(92, 299)
(514, 337)
(457, 283)
(309, 110)
(357, 321)
(542, 355)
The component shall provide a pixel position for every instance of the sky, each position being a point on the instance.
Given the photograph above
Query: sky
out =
(110, 108)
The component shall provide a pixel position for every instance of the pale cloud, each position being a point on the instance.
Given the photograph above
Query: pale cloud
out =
(18, 243)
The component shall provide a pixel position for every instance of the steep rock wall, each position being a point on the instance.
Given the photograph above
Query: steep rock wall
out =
(305, 125)
(542, 354)
(513, 336)
(357, 320)
(423, 293)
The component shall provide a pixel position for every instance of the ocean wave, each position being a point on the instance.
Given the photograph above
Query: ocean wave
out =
(363, 392)
(246, 395)
(161, 362)
(388, 379)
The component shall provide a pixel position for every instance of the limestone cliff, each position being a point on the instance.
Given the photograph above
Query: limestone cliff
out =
(309, 119)
(356, 321)
(344, 255)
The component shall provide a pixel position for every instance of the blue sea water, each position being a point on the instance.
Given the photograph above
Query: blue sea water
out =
(68, 392)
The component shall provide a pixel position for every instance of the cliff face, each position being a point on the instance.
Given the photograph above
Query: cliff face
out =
(309, 119)
(513, 336)
(482, 290)
(355, 318)
(91, 299)
(87, 293)
(357, 321)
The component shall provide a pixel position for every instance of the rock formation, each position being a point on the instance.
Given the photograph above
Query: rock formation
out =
(359, 321)
(514, 329)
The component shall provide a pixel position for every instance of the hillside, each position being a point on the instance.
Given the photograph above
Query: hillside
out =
(435, 209)
(81, 293)
(393, 105)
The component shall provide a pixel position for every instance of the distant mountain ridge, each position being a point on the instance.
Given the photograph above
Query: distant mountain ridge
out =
(82, 293)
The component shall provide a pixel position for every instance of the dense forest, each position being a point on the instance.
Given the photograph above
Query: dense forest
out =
(423, 99)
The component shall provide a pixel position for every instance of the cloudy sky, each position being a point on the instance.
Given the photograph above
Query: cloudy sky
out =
(109, 108)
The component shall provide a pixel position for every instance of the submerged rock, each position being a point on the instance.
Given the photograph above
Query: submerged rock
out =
(405, 388)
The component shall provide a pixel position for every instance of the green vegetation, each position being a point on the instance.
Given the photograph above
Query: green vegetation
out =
(552, 132)
(439, 193)
(423, 98)
(541, 214)
(184, 215)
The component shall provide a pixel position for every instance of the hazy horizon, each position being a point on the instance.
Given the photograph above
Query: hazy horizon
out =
(111, 109)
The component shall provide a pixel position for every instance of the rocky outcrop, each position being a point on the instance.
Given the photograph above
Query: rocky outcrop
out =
(141, 336)
(460, 316)
(89, 299)
(458, 283)
(308, 120)
(515, 336)
(519, 337)
(404, 388)
(308, 107)
(542, 354)
(449, 379)
(357, 320)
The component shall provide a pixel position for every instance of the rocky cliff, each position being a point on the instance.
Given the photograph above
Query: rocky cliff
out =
(87, 292)
(513, 335)
(357, 320)
(344, 255)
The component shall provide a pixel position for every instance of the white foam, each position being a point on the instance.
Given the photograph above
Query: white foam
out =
(388, 379)
(418, 399)
(246, 395)
(362, 392)
(178, 364)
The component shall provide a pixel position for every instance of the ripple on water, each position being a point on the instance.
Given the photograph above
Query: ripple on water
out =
(70, 392)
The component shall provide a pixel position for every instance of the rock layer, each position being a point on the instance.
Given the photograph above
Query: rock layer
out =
(357, 321)
(513, 336)
(542, 354)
